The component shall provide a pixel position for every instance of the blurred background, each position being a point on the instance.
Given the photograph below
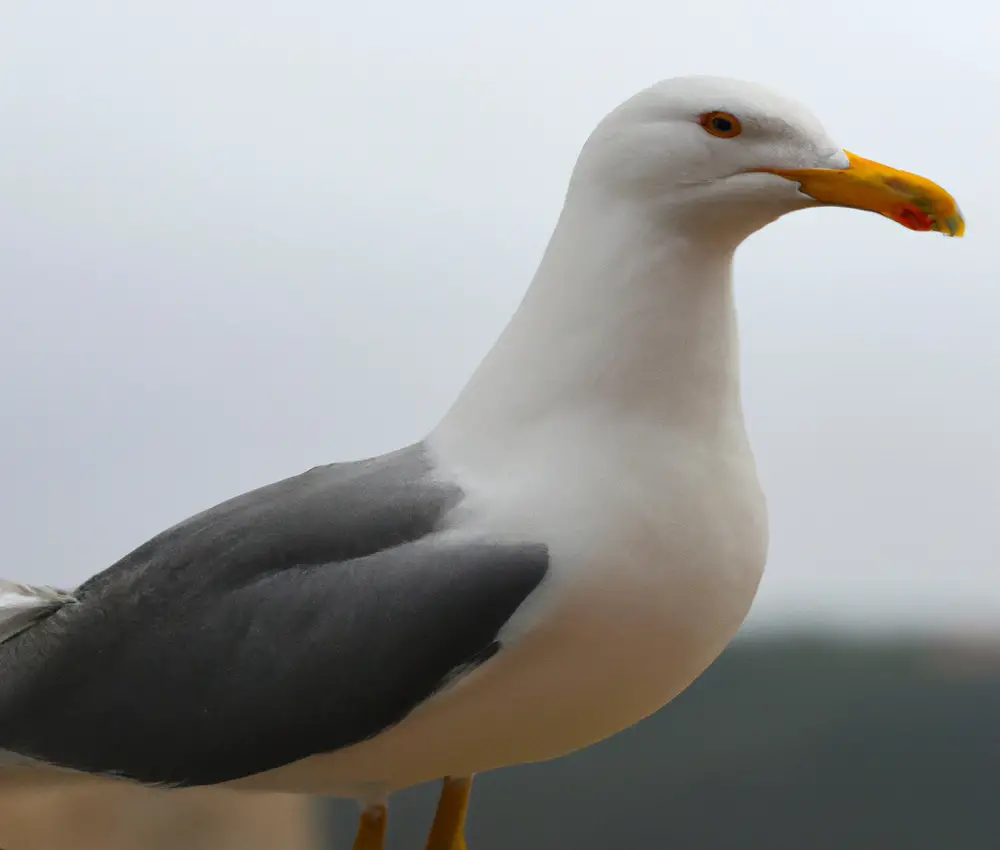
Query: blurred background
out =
(239, 239)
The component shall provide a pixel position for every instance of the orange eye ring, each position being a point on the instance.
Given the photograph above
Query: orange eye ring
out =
(721, 124)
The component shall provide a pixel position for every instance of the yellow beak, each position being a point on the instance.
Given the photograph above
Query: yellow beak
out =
(908, 199)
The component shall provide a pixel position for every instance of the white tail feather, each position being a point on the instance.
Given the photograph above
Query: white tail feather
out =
(21, 605)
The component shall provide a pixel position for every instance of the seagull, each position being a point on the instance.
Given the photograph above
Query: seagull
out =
(575, 541)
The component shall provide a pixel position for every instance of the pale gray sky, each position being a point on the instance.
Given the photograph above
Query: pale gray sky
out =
(238, 239)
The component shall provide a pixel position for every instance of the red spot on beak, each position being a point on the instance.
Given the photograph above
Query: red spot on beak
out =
(913, 218)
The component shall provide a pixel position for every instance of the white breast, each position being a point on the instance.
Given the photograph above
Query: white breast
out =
(658, 540)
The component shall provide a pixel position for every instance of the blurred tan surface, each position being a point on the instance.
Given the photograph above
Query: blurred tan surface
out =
(131, 818)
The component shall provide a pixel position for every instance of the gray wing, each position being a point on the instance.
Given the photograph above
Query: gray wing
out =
(293, 620)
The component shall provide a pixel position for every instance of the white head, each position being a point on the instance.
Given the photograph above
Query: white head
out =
(710, 152)
(632, 305)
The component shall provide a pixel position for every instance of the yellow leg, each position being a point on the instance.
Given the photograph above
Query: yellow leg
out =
(447, 831)
(371, 829)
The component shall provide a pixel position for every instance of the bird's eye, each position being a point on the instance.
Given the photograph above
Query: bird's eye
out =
(721, 124)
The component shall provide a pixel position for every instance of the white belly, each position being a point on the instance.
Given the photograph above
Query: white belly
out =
(591, 663)
(601, 645)
(585, 660)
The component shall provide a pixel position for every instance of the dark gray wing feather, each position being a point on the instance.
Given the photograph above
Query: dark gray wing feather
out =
(294, 620)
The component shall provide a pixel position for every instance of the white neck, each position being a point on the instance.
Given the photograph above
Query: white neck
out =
(625, 318)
